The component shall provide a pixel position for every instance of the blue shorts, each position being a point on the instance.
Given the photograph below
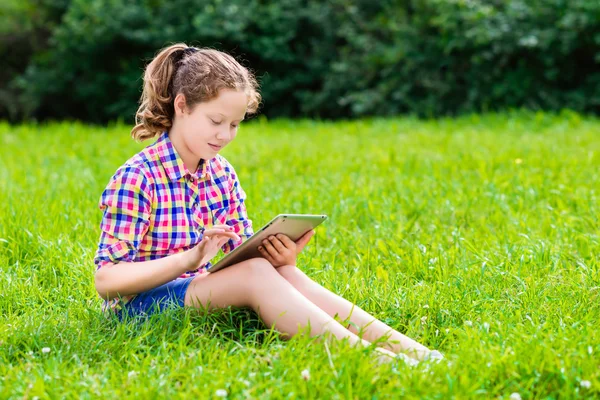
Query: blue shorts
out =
(171, 294)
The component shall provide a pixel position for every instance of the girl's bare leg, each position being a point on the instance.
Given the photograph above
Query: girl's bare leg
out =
(332, 304)
(256, 284)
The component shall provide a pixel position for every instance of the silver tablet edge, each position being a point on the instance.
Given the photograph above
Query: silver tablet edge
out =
(216, 267)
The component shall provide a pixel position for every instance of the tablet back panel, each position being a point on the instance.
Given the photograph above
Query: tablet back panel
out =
(292, 225)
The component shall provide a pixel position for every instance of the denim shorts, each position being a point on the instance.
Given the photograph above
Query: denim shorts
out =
(171, 294)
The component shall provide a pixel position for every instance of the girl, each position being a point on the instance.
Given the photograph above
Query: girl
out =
(169, 209)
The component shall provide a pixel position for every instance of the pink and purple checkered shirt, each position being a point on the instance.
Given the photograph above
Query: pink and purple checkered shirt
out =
(154, 207)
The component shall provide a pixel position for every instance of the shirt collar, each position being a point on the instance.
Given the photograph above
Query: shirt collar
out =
(173, 164)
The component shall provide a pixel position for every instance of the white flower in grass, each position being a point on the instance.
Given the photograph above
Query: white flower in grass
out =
(515, 396)
(221, 393)
(425, 305)
(408, 360)
(434, 355)
(468, 323)
(305, 374)
(131, 374)
(46, 350)
(590, 350)
(424, 319)
(586, 384)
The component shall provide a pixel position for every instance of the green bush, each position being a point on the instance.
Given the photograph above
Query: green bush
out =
(333, 59)
(25, 27)
(443, 57)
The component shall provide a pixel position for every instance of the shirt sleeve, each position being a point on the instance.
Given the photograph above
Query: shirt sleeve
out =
(126, 204)
(237, 216)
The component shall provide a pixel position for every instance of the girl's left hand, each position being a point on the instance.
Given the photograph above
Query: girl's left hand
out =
(280, 250)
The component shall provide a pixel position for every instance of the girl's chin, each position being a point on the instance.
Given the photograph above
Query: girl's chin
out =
(207, 155)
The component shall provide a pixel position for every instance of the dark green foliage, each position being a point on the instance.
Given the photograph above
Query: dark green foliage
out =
(330, 59)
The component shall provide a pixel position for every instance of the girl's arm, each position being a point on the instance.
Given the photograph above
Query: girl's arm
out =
(127, 205)
(126, 278)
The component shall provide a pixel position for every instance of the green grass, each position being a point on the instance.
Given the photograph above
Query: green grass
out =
(485, 225)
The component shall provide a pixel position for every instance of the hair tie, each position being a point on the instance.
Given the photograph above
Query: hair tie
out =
(180, 54)
(189, 50)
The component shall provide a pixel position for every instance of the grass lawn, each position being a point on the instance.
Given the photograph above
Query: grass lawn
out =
(477, 236)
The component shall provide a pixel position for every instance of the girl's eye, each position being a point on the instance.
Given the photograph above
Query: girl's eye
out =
(215, 122)
(234, 126)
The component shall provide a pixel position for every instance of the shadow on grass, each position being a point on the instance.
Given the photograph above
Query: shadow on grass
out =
(240, 325)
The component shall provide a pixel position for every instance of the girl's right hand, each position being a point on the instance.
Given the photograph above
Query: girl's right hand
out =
(212, 241)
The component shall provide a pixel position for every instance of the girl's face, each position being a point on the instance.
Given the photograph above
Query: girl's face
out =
(209, 126)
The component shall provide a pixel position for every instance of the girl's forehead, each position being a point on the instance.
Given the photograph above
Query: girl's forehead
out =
(229, 103)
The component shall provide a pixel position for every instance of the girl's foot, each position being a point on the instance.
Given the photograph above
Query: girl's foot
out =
(434, 356)
(411, 362)
(384, 356)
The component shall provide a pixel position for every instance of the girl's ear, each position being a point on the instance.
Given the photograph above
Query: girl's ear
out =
(179, 104)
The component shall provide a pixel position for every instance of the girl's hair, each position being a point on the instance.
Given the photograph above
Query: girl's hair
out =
(198, 73)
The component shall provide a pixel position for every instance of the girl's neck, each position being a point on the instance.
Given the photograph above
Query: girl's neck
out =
(189, 159)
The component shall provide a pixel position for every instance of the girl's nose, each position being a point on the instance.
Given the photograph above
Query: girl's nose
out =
(223, 134)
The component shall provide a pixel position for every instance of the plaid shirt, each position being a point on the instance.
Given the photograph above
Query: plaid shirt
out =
(154, 207)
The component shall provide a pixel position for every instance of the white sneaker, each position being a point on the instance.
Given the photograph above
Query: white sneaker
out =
(409, 361)
(434, 356)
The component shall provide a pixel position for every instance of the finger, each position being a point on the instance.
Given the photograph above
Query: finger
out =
(223, 226)
(270, 249)
(277, 244)
(233, 237)
(220, 228)
(303, 241)
(222, 242)
(205, 239)
(265, 254)
(306, 237)
(229, 235)
(221, 232)
(213, 231)
(287, 242)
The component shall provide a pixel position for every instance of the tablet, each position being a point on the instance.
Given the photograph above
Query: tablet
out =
(292, 225)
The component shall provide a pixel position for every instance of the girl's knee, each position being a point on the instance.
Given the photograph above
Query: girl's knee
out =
(236, 285)
(256, 267)
(256, 271)
(292, 274)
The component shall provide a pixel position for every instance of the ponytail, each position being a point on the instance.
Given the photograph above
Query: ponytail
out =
(155, 114)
